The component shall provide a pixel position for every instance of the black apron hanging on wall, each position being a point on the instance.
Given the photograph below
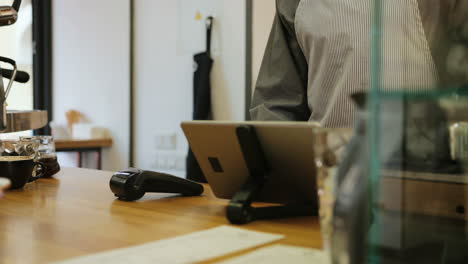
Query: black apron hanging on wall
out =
(203, 64)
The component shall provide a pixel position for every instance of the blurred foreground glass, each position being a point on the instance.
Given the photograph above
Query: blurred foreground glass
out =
(418, 106)
(329, 149)
(419, 191)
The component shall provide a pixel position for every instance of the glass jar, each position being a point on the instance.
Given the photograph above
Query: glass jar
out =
(46, 154)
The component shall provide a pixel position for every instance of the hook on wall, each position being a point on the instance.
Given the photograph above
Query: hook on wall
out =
(209, 22)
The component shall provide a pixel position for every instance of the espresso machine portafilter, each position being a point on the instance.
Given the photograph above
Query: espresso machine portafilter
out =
(4, 93)
(9, 14)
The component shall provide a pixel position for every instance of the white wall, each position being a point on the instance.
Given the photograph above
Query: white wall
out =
(91, 68)
(166, 37)
(263, 15)
(94, 43)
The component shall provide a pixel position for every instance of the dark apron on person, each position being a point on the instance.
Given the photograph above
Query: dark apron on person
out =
(203, 64)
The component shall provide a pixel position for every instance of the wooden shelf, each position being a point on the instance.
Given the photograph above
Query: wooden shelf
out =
(83, 144)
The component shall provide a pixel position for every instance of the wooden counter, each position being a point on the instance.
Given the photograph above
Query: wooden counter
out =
(76, 214)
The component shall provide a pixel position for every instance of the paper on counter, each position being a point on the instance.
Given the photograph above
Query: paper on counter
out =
(194, 247)
(280, 254)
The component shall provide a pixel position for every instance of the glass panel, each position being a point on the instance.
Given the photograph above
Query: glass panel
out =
(419, 190)
(418, 134)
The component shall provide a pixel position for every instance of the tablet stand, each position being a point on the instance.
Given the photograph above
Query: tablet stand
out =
(240, 210)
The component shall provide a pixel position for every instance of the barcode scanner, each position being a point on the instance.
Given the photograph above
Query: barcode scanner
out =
(132, 184)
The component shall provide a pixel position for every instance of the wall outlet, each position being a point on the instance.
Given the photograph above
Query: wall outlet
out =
(166, 141)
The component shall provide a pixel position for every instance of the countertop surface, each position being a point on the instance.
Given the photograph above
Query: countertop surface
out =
(75, 214)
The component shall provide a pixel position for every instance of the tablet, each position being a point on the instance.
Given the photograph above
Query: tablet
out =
(289, 152)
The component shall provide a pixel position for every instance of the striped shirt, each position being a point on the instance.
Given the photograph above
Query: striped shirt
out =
(319, 54)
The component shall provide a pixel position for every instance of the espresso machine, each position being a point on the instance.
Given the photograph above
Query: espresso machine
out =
(15, 121)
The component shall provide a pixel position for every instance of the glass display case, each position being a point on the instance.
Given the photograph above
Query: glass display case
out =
(417, 133)
(402, 190)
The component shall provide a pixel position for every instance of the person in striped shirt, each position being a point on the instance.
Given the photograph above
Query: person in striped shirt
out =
(319, 54)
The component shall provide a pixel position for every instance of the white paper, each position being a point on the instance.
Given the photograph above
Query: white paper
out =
(280, 254)
(194, 247)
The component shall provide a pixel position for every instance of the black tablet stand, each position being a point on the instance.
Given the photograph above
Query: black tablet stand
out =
(240, 210)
